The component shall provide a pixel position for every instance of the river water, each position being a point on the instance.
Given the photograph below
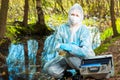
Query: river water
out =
(15, 60)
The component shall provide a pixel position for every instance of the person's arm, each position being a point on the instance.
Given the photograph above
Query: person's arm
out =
(48, 50)
(59, 36)
(84, 49)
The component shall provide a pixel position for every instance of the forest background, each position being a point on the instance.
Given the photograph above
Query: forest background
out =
(31, 18)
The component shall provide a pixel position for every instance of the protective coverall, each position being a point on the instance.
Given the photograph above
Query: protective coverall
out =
(75, 41)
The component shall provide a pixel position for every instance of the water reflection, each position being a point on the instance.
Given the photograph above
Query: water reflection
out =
(16, 61)
(32, 51)
(17, 67)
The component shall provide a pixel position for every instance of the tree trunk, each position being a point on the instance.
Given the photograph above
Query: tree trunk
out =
(40, 27)
(26, 8)
(3, 17)
(113, 20)
(40, 13)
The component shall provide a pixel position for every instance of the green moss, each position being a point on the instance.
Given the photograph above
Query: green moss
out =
(118, 73)
(104, 46)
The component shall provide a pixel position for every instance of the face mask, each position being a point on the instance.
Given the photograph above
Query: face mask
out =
(74, 19)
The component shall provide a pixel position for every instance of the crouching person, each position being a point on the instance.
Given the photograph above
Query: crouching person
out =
(70, 43)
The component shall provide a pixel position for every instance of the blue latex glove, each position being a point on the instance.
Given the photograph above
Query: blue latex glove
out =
(66, 47)
(74, 43)
(73, 48)
(72, 71)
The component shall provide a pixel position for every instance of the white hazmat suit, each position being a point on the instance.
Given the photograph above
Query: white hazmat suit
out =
(72, 37)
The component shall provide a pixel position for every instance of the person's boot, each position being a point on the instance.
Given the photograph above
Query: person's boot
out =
(68, 74)
(77, 76)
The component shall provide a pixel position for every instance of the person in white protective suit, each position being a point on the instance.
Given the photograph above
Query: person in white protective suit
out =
(64, 50)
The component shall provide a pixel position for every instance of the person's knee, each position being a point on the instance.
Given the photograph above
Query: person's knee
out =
(51, 71)
(74, 62)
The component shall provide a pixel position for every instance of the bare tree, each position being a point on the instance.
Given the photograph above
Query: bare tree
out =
(40, 27)
(3, 17)
(26, 8)
(113, 20)
(40, 13)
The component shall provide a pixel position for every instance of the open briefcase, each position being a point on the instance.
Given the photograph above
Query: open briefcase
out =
(98, 67)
